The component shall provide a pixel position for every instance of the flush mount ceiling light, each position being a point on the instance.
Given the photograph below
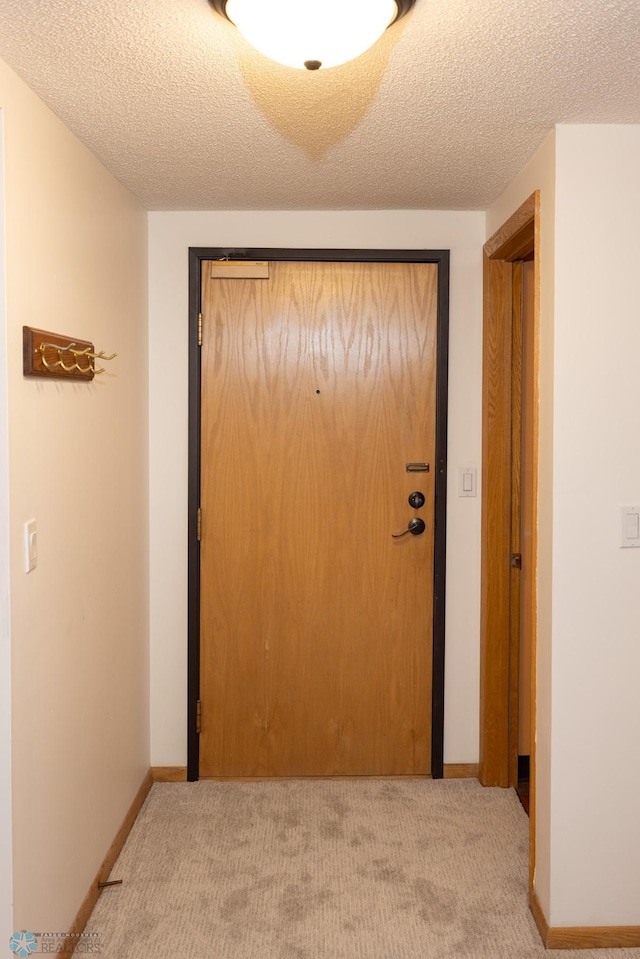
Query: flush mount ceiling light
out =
(312, 33)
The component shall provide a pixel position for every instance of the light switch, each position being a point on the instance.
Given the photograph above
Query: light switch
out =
(30, 546)
(467, 481)
(630, 526)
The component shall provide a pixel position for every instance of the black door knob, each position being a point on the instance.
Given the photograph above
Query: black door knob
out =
(416, 500)
(415, 526)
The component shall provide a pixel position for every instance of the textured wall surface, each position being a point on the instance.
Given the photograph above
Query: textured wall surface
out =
(441, 114)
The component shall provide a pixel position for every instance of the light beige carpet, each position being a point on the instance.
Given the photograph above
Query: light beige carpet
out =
(324, 870)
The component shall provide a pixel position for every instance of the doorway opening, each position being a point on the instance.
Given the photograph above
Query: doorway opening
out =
(509, 505)
(197, 257)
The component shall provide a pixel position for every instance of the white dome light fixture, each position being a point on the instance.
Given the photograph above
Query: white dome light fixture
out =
(312, 34)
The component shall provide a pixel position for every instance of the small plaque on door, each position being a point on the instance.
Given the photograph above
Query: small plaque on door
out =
(239, 270)
(418, 467)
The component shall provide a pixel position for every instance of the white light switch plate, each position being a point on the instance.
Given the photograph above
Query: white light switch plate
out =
(630, 527)
(30, 546)
(467, 481)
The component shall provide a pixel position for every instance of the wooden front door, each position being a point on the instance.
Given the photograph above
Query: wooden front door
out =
(318, 387)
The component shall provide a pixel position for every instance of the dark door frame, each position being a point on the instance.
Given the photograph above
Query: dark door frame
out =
(439, 257)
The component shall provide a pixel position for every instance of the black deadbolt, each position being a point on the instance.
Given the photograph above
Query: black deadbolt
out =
(416, 500)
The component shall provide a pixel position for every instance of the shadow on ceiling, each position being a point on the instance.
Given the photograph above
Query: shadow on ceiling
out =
(316, 110)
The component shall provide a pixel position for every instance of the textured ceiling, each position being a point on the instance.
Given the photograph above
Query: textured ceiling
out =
(439, 115)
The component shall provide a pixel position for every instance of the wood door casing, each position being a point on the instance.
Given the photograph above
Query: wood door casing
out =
(522, 508)
(527, 510)
(516, 513)
(318, 386)
(516, 239)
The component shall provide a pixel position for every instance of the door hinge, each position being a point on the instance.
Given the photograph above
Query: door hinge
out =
(199, 329)
(198, 717)
(516, 561)
(199, 524)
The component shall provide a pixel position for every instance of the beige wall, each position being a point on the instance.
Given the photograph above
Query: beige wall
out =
(539, 174)
(588, 709)
(76, 264)
(170, 235)
(595, 849)
(6, 917)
